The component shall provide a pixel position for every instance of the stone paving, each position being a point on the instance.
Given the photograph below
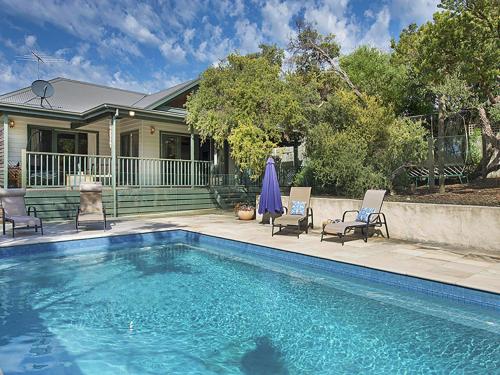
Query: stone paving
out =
(469, 268)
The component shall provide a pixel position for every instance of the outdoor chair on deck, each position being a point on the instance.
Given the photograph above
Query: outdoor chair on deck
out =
(368, 216)
(14, 211)
(298, 211)
(91, 207)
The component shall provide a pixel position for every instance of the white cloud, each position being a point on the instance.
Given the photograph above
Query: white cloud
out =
(7, 77)
(238, 8)
(188, 35)
(172, 51)
(72, 16)
(369, 13)
(277, 17)
(115, 45)
(138, 31)
(249, 36)
(30, 40)
(110, 34)
(232, 8)
(332, 18)
(378, 34)
(213, 53)
(214, 45)
(409, 11)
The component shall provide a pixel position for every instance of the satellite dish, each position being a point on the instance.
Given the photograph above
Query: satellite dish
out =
(42, 89)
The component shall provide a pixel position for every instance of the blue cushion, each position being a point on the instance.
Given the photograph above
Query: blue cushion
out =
(364, 213)
(298, 208)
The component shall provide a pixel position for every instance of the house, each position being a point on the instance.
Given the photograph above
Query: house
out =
(59, 134)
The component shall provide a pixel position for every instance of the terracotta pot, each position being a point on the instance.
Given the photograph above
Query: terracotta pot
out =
(246, 215)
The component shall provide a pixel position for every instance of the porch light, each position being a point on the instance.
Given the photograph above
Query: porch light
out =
(131, 113)
(152, 130)
(12, 123)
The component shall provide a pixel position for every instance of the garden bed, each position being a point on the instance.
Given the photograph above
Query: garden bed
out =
(477, 193)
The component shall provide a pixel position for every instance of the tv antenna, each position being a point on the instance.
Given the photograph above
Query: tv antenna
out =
(39, 58)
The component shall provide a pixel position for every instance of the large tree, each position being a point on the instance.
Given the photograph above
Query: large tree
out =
(354, 140)
(374, 73)
(317, 55)
(247, 101)
(463, 41)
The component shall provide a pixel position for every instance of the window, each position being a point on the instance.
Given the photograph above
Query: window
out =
(185, 148)
(129, 144)
(66, 143)
(40, 140)
(175, 146)
(55, 140)
(83, 143)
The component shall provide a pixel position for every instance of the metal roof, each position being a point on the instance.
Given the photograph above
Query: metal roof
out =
(80, 97)
(149, 100)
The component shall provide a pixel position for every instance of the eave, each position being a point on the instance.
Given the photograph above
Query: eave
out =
(173, 95)
(77, 120)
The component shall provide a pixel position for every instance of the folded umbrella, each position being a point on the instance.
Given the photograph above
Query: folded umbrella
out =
(270, 196)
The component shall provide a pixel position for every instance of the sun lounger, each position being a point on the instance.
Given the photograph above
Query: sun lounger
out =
(14, 211)
(368, 216)
(91, 207)
(298, 211)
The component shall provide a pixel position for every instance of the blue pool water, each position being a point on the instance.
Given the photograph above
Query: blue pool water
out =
(184, 307)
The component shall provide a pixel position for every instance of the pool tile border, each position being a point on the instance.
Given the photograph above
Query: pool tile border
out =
(451, 291)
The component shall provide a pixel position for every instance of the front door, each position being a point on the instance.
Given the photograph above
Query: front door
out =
(129, 150)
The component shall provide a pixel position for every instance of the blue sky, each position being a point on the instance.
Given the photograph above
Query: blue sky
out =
(149, 46)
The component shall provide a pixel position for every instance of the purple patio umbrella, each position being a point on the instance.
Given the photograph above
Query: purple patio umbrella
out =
(270, 196)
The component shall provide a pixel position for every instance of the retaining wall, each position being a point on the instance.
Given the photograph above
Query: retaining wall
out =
(456, 225)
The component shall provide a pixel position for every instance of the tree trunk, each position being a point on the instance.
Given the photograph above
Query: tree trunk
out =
(441, 118)
(338, 70)
(490, 161)
(296, 156)
(430, 161)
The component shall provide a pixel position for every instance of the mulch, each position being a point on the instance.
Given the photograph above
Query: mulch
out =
(480, 193)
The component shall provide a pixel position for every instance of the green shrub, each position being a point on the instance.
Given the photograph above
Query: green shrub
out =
(475, 147)
(360, 146)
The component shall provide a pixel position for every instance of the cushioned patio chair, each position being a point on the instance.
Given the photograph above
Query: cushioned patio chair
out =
(14, 211)
(368, 216)
(298, 211)
(91, 207)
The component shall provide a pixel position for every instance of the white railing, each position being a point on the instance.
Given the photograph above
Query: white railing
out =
(53, 170)
(47, 169)
(162, 172)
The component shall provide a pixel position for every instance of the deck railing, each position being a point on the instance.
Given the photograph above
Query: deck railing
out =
(57, 170)
(134, 171)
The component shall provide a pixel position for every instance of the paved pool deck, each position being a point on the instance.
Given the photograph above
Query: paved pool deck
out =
(465, 267)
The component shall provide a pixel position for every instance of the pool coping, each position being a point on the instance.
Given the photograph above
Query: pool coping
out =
(456, 292)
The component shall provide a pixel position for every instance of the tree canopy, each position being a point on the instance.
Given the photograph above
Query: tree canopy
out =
(349, 109)
(246, 102)
(456, 57)
(373, 72)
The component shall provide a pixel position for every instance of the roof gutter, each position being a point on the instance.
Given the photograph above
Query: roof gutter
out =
(145, 114)
(103, 110)
(15, 109)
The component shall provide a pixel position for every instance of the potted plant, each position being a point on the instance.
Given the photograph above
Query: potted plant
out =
(244, 211)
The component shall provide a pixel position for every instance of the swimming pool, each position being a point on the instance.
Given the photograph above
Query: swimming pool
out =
(182, 303)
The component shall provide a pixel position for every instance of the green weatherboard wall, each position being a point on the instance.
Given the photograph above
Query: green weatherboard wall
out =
(62, 204)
